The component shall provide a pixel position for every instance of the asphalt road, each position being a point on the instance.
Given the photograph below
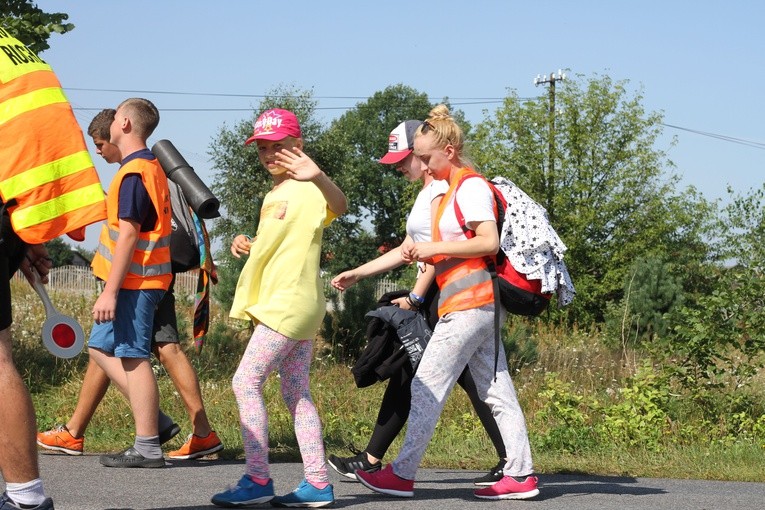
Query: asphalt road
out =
(81, 483)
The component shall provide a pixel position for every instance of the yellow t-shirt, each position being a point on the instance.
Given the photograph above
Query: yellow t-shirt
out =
(280, 284)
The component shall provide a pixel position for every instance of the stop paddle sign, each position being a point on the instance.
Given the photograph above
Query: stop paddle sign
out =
(61, 334)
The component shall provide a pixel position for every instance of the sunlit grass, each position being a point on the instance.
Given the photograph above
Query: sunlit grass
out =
(586, 376)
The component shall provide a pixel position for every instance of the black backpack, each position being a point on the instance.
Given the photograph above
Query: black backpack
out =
(184, 241)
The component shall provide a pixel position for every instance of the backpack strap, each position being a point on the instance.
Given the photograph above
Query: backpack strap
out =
(501, 205)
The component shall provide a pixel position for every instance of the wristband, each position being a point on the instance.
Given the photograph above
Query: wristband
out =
(249, 239)
(417, 299)
(411, 303)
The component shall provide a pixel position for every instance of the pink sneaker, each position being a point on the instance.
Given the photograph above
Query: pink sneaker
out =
(509, 488)
(386, 482)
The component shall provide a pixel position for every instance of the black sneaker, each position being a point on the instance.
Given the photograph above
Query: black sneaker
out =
(347, 466)
(494, 475)
(130, 458)
(7, 504)
(169, 433)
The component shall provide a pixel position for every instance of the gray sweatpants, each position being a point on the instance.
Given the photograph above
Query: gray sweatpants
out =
(459, 339)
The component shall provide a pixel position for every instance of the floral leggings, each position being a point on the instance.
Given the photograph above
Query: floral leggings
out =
(266, 352)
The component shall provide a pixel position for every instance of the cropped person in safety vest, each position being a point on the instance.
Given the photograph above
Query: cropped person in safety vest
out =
(133, 260)
(464, 334)
(280, 290)
(48, 187)
(395, 405)
(70, 438)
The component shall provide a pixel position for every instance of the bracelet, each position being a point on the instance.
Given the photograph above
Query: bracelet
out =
(249, 239)
(411, 303)
(417, 299)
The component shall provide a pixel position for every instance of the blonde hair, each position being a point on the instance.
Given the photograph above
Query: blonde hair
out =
(143, 115)
(445, 131)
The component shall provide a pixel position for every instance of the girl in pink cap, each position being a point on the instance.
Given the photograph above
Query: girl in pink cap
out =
(280, 290)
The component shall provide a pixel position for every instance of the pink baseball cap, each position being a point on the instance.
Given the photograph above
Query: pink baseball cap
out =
(275, 124)
(400, 142)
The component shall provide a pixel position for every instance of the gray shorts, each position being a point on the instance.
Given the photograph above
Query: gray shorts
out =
(165, 319)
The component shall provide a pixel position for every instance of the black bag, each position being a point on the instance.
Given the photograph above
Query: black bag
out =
(411, 327)
(184, 241)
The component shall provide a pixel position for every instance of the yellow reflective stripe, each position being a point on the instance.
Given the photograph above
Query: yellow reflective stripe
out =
(43, 174)
(11, 72)
(50, 209)
(18, 105)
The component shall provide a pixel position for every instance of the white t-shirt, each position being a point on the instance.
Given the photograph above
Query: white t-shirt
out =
(419, 221)
(476, 203)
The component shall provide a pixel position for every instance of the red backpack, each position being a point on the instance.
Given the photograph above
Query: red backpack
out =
(518, 294)
(512, 289)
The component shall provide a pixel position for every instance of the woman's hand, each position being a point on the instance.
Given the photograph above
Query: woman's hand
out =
(402, 303)
(419, 252)
(344, 280)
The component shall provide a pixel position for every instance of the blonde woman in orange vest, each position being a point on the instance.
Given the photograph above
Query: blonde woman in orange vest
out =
(133, 259)
(464, 335)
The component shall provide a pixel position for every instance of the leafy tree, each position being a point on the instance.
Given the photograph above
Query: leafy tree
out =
(30, 25)
(85, 253)
(651, 292)
(60, 252)
(344, 329)
(378, 197)
(607, 192)
(719, 339)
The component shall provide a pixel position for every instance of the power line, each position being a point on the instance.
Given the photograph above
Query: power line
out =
(749, 143)
(258, 96)
(457, 101)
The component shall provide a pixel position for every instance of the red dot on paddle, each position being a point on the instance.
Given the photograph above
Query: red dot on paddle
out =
(63, 335)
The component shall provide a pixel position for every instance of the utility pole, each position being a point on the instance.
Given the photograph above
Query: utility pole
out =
(549, 181)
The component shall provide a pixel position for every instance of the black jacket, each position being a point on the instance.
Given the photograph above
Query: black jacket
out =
(384, 354)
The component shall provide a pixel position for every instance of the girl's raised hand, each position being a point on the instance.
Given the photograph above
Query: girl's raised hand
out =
(299, 166)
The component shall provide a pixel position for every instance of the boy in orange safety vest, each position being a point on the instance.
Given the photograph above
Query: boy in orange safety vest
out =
(70, 438)
(133, 259)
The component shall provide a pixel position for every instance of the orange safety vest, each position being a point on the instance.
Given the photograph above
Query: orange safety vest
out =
(464, 283)
(47, 179)
(150, 266)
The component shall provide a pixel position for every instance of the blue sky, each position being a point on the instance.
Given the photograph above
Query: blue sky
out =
(700, 63)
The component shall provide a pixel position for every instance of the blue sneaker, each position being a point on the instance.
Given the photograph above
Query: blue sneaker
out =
(246, 492)
(7, 504)
(306, 496)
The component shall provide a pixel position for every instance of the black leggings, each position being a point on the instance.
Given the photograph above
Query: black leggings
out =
(394, 411)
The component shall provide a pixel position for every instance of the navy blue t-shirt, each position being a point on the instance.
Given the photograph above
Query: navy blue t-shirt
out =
(134, 201)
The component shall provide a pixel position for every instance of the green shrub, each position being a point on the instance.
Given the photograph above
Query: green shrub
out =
(344, 327)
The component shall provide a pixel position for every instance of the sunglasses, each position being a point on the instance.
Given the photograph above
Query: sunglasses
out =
(427, 127)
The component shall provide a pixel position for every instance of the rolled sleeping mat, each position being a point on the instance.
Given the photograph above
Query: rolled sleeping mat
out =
(197, 194)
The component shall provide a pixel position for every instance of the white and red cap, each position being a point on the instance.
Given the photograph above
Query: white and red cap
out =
(401, 142)
(275, 124)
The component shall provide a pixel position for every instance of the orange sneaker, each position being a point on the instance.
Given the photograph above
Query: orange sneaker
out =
(60, 440)
(196, 447)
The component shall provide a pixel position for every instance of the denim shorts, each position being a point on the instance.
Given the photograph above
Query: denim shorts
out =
(129, 334)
